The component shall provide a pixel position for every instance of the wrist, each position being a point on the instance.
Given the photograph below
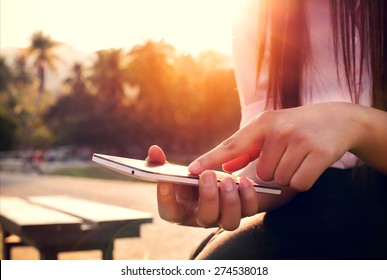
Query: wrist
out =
(371, 135)
(361, 123)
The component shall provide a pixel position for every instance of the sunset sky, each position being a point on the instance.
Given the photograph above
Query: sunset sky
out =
(189, 25)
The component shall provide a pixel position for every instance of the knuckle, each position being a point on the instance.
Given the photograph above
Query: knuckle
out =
(206, 221)
(230, 225)
(266, 116)
(269, 119)
(249, 206)
(232, 203)
(229, 144)
(249, 210)
(264, 174)
(301, 138)
(263, 170)
(281, 180)
(209, 198)
(285, 132)
(299, 185)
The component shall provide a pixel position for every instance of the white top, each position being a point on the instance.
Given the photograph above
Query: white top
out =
(320, 79)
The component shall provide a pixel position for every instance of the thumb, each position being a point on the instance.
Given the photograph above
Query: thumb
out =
(156, 155)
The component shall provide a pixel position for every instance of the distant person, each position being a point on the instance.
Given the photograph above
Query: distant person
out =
(312, 79)
(32, 162)
(37, 159)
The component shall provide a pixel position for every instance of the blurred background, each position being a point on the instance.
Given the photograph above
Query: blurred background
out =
(122, 95)
(113, 77)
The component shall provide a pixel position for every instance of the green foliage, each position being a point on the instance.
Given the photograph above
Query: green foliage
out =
(41, 49)
(7, 133)
(129, 101)
(5, 75)
(23, 106)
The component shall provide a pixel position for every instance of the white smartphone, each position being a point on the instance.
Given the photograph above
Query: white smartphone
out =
(168, 172)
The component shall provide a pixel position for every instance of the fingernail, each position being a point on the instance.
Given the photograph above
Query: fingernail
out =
(194, 167)
(244, 183)
(228, 184)
(164, 189)
(208, 178)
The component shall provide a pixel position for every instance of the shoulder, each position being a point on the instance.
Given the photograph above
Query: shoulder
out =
(245, 28)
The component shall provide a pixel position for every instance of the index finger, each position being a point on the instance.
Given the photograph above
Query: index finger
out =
(248, 138)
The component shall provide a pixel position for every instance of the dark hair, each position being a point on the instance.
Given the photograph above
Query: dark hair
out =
(287, 43)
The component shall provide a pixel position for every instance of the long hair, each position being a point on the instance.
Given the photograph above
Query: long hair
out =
(283, 34)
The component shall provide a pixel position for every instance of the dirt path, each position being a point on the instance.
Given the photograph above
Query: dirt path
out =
(159, 240)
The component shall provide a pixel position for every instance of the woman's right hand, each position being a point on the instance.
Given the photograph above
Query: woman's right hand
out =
(208, 205)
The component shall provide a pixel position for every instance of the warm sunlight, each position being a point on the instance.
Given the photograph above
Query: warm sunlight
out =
(189, 25)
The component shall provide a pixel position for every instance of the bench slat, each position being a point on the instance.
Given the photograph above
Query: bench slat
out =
(92, 211)
(24, 213)
(56, 224)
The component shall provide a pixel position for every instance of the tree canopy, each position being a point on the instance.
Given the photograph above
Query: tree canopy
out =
(129, 100)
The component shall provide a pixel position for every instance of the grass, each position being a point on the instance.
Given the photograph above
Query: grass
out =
(89, 172)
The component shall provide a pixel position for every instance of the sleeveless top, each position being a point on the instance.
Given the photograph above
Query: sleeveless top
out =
(320, 81)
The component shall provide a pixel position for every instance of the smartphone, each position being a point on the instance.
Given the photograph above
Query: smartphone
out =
(167, 172)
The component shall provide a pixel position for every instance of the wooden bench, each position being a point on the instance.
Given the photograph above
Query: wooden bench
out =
(55, 224)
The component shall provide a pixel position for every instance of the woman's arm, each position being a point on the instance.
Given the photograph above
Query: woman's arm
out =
(292, 146)
(371, 144)
(295, 146)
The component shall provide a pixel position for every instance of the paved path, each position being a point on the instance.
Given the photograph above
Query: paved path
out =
(159, 240)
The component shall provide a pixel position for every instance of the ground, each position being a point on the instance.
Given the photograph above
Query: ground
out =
(159, 240)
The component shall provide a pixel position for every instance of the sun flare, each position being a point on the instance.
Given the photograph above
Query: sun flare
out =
(189, 25)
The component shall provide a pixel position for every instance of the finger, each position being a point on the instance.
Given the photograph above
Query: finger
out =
(248, 197)
(309, 171)
(169, 208)
(186, 195)
(268, 160)
(230, 205)
(288, 165)
(156, 155)
(240, 162)
(208, 204)
(244, 140)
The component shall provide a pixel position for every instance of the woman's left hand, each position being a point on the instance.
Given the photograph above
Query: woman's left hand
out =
(208, 205)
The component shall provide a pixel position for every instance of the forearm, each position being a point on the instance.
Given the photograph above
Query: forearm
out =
(367, 135)
(370, 146)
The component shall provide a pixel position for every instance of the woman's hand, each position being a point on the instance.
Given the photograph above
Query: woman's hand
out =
(208, 205)
(294, 146)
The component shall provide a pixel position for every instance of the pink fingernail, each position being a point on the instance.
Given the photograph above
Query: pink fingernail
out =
(194, 167)
(208, 178)
(228, 184)
(164, 189)
(244, 183)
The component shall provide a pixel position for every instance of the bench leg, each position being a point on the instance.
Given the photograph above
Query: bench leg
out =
(107, 251)
(6, 246)
(48, 254)
(6, 251)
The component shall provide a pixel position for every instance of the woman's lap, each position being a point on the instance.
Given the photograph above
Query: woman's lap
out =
(339, 218)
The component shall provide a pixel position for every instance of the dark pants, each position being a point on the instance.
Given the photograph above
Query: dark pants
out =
(343, 216)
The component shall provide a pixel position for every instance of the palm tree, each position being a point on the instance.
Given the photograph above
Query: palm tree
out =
(22, 75)
(151, 67)
(42, 49)
(76, 81)
(110, 75)
(5, 75)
